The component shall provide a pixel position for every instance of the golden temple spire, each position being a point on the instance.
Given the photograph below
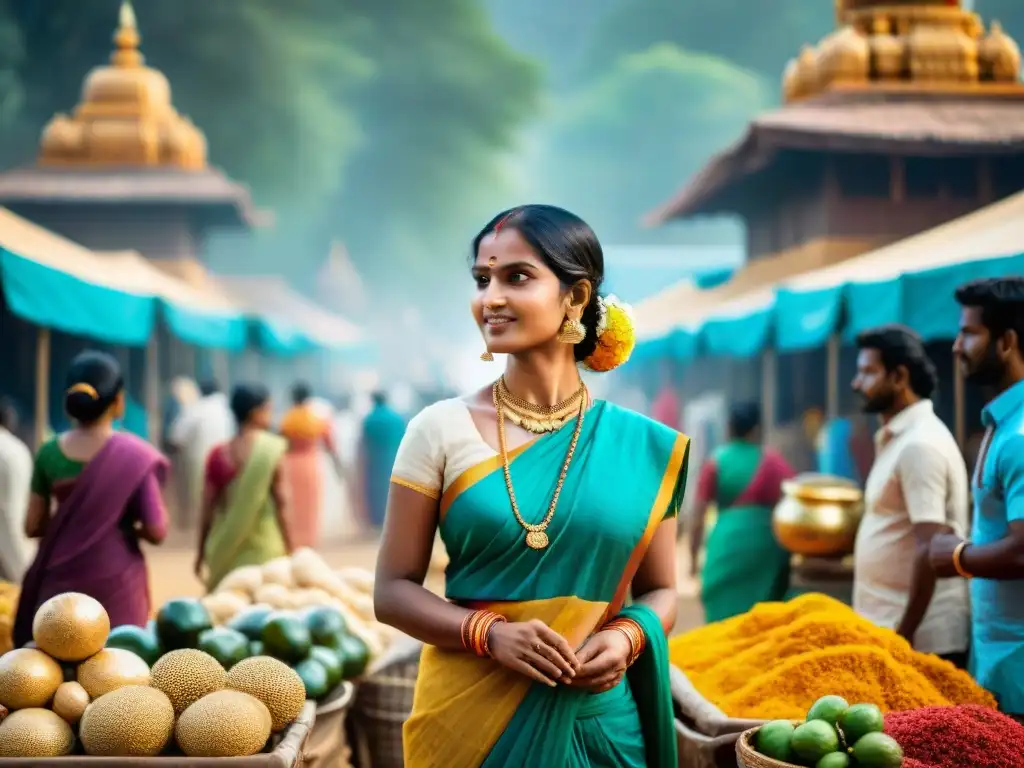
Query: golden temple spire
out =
(127, 39)
(126, 117)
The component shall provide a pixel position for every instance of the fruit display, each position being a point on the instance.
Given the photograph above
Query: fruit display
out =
(8, 605)
(303, 580)
(72, 693)
(834, 735)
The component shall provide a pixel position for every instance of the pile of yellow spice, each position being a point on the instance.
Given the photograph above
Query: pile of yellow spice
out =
(776, 660)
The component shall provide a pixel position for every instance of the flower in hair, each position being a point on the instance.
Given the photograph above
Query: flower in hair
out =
(616, 335)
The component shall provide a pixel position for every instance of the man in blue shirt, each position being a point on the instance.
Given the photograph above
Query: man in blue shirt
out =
(989, 350)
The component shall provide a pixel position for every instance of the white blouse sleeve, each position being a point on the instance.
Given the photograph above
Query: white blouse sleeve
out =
(419, 464)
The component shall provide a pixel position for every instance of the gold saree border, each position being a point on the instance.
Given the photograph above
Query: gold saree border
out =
(428, 492)
(661, 502)
(463, 704)
(475, 474)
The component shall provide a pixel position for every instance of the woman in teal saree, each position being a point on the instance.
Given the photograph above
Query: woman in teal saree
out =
(553, 508)
(743, 564)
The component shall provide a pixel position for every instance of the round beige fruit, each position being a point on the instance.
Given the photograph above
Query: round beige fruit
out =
(224, 724)
(186, 675)
(110, 669)
(274, 683)
(134, 721)
(28, 678)
(71, 626)
(35, 733)
(70, 702)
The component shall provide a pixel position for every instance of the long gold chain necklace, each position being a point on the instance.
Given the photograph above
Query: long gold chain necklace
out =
(539, 419)
(536, 536)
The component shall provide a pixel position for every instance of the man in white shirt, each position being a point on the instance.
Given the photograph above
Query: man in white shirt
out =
(200, 428)
(917, 488)
(16, 551)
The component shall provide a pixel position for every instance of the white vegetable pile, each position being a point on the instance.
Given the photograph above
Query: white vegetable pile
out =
(303, 580)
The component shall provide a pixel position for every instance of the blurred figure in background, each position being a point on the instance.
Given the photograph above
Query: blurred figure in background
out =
(383, 429)
(743, 564)
(667, 408)
(96, 493)
(307, 432)
(15, 479)
(203, 424)
(245, 495)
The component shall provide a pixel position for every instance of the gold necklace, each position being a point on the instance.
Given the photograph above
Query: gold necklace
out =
(539, 419)
(536, 536)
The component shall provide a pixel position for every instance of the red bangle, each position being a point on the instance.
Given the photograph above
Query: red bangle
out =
(476, 631)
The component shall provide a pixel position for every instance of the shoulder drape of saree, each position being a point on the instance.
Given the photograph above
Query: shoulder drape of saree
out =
(90, 514)
(464, 705)
(246, 500)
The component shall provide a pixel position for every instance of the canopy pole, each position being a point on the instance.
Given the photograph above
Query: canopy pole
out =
(151, 379)
(221, 369)
(768, 385)
(832, 378)
(42, 384)
(959, 406)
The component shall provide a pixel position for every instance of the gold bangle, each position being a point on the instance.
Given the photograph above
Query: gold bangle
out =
(957, 565)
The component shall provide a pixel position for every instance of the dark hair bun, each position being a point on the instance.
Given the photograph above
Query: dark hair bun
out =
(93, 383)
(246, 398)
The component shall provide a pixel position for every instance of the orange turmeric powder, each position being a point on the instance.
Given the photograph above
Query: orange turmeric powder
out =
(776, 660)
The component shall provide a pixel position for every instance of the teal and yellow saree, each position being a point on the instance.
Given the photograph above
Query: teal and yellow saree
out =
(626, 478)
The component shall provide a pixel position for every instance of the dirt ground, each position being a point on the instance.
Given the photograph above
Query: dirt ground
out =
(170, 572)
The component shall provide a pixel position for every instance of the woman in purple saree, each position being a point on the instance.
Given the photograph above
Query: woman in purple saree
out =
(95, 493)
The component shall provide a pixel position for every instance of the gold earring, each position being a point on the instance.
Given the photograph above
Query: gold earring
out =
(487, 357)
(572, 331)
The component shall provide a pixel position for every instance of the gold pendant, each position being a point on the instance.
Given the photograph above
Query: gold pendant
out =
(536, 539)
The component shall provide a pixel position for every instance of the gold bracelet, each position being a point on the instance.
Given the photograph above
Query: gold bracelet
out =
(957, 565)
(633, 633)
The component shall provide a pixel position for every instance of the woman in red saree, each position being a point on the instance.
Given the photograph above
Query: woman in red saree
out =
(95, 494)
(307, 432)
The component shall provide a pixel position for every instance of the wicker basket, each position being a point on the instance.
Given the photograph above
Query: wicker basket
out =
(748, 757)
(328, 745)
(383, 704)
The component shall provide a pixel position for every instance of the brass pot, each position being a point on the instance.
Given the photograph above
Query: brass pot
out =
(818, 515)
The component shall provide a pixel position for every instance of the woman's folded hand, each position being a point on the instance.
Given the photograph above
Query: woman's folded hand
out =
(533, 649)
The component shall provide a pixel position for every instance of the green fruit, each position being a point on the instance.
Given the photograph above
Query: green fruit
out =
(876, 750)
(227, 646)
(179, 624)
(813, 740)
(772, 739)
(827, 708)
(286, 637)
(326, 625)
(331, 663)
(835, 760)
(140, 641)
(314, 677)
(354, 655)
(256, 648)
(250, 621)
(860, 720)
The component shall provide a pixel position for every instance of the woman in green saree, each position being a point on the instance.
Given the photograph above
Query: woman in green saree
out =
(553, 509)
(245, 497)
(743, 564)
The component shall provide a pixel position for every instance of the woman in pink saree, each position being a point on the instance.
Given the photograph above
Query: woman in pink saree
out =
(307, 433)
(96, 493)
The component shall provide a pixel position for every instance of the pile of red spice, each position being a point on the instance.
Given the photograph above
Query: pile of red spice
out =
(957, 737)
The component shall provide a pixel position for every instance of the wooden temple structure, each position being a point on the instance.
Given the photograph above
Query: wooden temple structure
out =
(908, 115)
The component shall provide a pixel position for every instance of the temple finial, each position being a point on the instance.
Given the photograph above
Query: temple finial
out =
(126, 38)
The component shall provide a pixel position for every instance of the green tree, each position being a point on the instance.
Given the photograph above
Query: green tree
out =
(627, 142)
(442, 113)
